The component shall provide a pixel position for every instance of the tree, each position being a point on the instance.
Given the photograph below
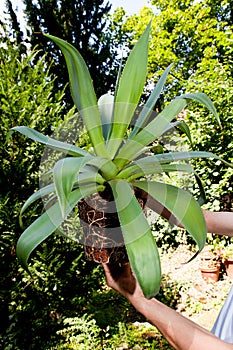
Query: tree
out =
(14, 24)
(215, 79)
(184, 32)
(83, 24)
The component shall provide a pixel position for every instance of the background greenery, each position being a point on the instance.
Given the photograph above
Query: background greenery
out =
(65, 300)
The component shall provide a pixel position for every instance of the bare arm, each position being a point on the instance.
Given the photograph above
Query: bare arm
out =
(217, 222)
(181, 333)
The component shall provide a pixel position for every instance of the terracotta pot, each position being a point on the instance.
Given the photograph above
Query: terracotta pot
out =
(210, 273)
(228, 263)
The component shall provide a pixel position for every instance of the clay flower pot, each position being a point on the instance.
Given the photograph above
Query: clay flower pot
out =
(209, 265)
(210, 273)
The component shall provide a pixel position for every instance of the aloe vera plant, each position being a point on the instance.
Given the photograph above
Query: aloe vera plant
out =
(120, 163)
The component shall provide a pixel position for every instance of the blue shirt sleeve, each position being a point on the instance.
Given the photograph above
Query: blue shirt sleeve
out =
(223, 326)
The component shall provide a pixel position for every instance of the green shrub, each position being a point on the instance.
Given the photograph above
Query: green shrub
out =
(31, 307)
(82, 333)
(215, 79)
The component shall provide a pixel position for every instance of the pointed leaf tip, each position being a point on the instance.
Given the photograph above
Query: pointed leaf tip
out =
(129, 91)
(83, 93)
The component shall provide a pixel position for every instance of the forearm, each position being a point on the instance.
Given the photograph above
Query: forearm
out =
(181, 333)
(219, 222)
(216, 222)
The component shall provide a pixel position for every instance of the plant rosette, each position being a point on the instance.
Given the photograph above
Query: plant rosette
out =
(118, 164)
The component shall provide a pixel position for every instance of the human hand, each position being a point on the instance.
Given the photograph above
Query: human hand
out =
(121, 279)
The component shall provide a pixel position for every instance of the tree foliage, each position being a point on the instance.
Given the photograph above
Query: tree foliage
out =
(184, 32)
(215, 79)
(84, 24)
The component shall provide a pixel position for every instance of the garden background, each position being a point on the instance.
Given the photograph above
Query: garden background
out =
(65, 302)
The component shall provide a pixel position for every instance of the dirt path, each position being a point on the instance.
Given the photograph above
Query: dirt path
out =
(199, 300)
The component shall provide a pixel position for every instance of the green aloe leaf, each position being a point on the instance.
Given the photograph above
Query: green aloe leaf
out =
(174, 156)
(140, 244)
(202, 197)
(34, 197)
(149, 168)
(204, 100)
(183, 127)
(65, 173)
(182, 205)
(135, 146)
(129, 91)
(46, 224)
(50, 142)
(150, 103)
(83, 93)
